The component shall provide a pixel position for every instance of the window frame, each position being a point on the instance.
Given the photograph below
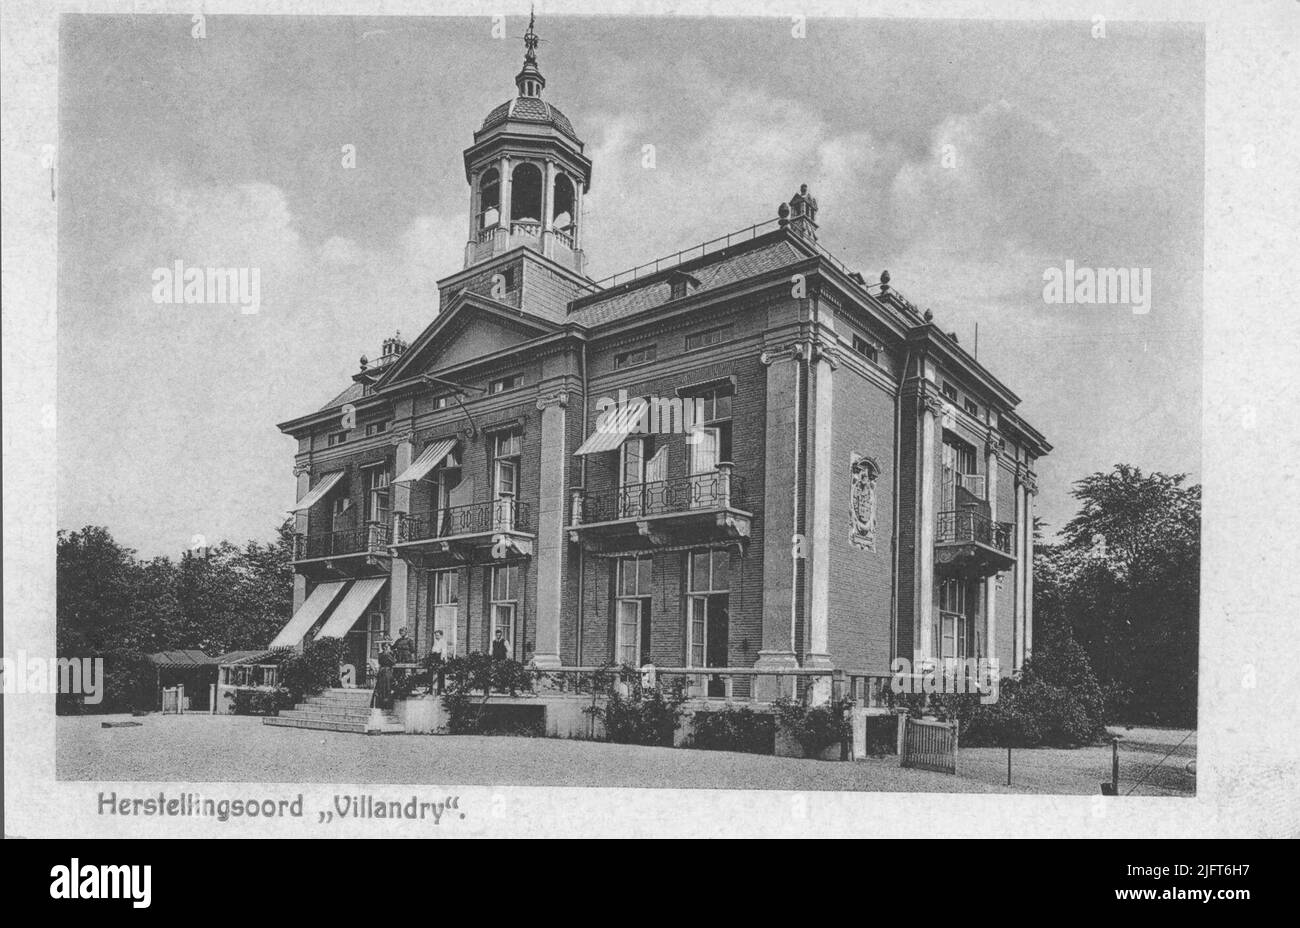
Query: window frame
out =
(626, 359)
(705, 338)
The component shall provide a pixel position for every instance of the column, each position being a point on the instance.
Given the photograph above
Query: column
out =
(780, 551)
(399, 577)
(551, 548)
(1031, 490)
(473, 207)
(1018, 633)
(303, 473)
(548, 194)
(991, 446)
(820, 481)
(931, 409)
(504, 168)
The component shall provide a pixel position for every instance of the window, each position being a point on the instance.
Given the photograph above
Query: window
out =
(504, 602)
(339, 513)
(866, 349)
(958, 634)
(376, 627)
(708, 443)
(708, 580)
(502, 384)
(949, 391)
(444, 401)
(635, 356)
(508, 275)
(708, 337)
(376, 428)
(336, 438)
(633, 590)
(507, 447)
(973, 408)
(377, 509)
(445, 596)
(959, 472)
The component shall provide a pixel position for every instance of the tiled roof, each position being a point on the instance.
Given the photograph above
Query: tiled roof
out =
(529, 109)
(727, 269)
(183, 658)
(354, 392)
(250, 657)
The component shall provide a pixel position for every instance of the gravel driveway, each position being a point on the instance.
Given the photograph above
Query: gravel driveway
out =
(203, 748)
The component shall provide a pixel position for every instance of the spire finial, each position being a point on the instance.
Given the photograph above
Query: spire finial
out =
(530, 81)
(530, 37)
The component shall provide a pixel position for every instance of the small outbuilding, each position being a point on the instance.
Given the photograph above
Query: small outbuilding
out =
(191, 669)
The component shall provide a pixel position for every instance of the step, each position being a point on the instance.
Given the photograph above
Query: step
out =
(333, 701)
(388, 727)
(361, 716)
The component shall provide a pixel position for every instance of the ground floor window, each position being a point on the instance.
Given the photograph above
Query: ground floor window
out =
(708, 612)
(503, 605)
(444, 608)
(632, 612)
(958, 629)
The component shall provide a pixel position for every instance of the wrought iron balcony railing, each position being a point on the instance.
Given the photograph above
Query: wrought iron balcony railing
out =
(969, 526)
(718, 489)
(373, 537)
(503, 515)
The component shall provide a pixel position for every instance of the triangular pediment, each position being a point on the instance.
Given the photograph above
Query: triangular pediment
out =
(471, 327)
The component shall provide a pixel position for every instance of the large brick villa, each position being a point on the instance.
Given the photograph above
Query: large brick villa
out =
(744, 455)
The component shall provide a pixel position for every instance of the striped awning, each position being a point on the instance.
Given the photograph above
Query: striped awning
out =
(614, 429)
(349, 609)
(430, 458)
(317, 493)
(307, 614)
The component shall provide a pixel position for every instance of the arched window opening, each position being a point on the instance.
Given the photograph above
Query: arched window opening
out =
(526, 193)
(489, 193)
(562, 217)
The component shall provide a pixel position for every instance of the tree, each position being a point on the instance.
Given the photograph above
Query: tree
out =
(1124, 582)
(112, 604)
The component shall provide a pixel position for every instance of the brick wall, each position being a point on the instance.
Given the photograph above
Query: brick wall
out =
(860, 600)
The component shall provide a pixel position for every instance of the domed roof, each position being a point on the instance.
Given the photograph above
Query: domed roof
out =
(530, 109)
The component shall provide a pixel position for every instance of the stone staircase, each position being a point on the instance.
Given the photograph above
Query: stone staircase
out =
(336, 709)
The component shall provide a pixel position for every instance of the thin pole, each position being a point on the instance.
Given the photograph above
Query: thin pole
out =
(1114, 765)
(1008, 765)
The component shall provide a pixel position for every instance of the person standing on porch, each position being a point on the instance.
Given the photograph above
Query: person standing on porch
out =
(500, 647)
(384, 678)
(439, 654)
(403, 648)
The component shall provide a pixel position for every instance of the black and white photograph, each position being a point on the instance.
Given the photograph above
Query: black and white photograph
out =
(435, 407)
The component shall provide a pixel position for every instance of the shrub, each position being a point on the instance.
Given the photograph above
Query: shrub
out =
(479, 673)
(815, 727)
(732, 729)
(1055, 702)
(260, 701)
(314, 670)
(649, 715)
(129, 684)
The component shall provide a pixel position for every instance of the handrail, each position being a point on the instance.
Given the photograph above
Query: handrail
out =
(718, 489)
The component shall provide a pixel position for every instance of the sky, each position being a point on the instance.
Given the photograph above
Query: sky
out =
(967, 158)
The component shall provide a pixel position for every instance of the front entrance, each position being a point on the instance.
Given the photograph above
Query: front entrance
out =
(354, 653)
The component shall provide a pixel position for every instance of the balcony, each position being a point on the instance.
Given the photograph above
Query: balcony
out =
(970, 543)
(504, 526)
(343, 553)
(692, 509)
